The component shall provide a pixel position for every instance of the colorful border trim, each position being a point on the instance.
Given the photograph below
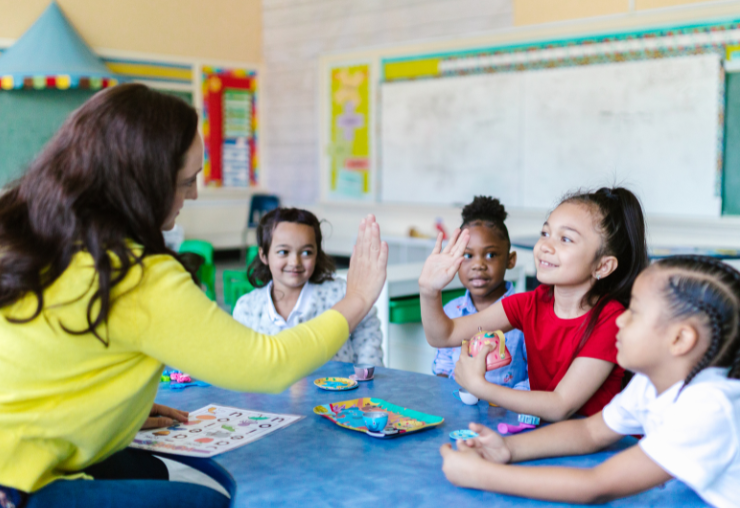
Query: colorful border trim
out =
(663, 43)
(60, 82)
(155, 71)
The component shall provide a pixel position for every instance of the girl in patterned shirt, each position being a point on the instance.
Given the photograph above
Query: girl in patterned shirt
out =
(295, 283)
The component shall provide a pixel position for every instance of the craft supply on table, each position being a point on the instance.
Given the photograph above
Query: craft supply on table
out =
(177, 380)
(401, 421)
(505, 428)
(499, 357)
(211, 430)
(532, 420)
(363, 372)
(462, 434)
(336, 384)
(466, 397)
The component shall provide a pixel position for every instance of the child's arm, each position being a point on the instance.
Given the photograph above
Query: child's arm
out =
(625, 474)
(439, 270)
(584, 377)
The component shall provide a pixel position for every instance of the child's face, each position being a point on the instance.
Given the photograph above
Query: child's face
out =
(292, 255)
(644, 334)
(485, 261)
(566, 251)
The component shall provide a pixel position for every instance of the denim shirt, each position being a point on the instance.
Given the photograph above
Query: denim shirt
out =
(513, 375)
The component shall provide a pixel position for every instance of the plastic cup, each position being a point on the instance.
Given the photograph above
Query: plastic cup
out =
(375, 421)
(467, 397)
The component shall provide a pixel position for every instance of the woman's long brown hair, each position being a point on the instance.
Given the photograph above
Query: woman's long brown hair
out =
(107, 177)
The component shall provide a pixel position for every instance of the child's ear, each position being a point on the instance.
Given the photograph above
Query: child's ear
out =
(685, 339)
(512, 260)
(606, 267)
(263, 257)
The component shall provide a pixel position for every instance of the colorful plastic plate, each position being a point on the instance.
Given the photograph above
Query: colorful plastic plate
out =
(336, 384)
(348, 414)
(462, 434)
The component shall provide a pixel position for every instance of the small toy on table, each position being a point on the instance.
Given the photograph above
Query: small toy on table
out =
(178, 380)
(496, 359)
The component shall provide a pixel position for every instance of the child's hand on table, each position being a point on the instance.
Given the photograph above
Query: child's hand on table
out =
(461, 467)
(442, 264)
(489, 444)
(164, 416)
(470, 372)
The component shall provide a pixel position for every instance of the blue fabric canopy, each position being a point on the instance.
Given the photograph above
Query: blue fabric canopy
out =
(52, 54)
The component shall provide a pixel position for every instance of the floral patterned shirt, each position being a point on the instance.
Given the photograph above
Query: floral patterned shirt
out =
(257, 311)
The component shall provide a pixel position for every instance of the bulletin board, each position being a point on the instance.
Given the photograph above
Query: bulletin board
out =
(230, 127)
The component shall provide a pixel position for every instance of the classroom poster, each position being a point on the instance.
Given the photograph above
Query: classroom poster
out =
(229, 127)
(212, 430)
(349, 146)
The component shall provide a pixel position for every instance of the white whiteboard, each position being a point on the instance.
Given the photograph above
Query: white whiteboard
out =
(530, 137)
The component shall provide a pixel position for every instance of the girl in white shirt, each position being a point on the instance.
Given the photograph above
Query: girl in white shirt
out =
(681, 336)
(294, 281)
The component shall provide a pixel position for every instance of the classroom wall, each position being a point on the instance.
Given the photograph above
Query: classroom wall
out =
(296, 32)
(217, 29)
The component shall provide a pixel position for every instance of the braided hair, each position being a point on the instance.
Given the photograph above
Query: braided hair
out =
(488, 211)
(622, 226)
(705, 286)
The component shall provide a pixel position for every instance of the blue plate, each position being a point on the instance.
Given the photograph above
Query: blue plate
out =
(462, 434)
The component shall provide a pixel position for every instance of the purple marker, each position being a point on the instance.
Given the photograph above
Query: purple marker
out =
(505, 428)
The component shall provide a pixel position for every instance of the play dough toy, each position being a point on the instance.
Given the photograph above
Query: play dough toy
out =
(499, 357)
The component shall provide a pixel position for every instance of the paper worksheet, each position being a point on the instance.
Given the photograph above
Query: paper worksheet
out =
(212, 430)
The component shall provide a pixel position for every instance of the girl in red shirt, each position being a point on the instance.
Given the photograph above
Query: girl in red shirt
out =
(591, 249)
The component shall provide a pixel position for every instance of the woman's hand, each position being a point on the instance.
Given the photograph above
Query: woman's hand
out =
(461, 467)
(367, 272)
(470, 372)
(163, 416)
(489, 444)
(442, 264)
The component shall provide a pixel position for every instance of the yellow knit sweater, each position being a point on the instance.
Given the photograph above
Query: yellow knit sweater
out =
(67, 401)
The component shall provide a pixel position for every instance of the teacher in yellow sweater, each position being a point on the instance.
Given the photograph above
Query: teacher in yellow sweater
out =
(93, 304)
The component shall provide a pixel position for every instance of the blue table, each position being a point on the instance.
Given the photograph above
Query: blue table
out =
(316, 463)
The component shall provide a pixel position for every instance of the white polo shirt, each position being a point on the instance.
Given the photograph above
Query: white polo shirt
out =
(695, 437)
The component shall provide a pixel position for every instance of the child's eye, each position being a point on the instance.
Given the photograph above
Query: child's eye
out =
(282, 252)
(490, 255)
(307, 253)
(467, 256)
(544, 234)
(567, 240)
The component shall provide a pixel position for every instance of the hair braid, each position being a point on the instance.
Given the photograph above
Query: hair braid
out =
(715, 321)
(706, 285)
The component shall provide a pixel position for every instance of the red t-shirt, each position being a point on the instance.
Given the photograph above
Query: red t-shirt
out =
(552, 342)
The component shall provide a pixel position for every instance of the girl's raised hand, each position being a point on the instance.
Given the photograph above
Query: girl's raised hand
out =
(442, 264)
(489, 444)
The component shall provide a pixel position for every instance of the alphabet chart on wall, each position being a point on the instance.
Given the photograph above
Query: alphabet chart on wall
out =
(212, 430)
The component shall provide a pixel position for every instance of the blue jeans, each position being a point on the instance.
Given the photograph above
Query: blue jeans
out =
(125, 494)
(127, 479)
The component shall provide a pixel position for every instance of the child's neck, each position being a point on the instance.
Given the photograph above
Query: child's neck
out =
(666, 375)
(569, 302)
(284, 298)
(483, 302)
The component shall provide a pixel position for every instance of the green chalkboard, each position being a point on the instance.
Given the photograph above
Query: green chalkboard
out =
(731, 176)
(28, 119)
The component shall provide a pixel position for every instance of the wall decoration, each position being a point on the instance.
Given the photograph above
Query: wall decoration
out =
(230, 127)
(349, 148)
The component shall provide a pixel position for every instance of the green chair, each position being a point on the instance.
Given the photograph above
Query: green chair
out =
(236, 283)
(207, 272)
